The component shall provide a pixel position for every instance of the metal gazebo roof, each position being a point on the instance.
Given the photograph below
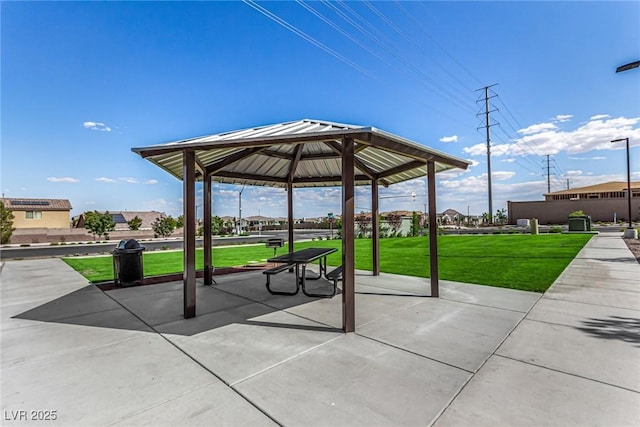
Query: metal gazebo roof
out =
(307, 152)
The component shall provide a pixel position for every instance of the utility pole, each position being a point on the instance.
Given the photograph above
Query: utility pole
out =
(487, 126)
(568, 188)
(548, 175)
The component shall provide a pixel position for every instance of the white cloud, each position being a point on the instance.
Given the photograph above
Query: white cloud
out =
(546, 138)
(62, 179)
(599, 117)
(563, 118)
(511, 160)
(574, 173)
(151, 181)
(452, 138)
(105, 179)
(588, 158)
(537, 128)
(130, 180)
(502, 175)
(96, 126)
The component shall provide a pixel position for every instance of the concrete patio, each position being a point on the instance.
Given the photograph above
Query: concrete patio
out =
(476, 356)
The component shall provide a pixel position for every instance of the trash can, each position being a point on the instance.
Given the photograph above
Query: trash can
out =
(127, 263)
(580, 223)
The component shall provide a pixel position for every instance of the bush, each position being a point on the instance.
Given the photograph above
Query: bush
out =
(53, 244)
(555, 230)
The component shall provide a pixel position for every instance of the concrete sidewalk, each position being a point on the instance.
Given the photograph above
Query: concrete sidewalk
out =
(476, 356)
(575, 358)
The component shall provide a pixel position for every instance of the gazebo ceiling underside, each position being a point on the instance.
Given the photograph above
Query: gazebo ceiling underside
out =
(307, 153)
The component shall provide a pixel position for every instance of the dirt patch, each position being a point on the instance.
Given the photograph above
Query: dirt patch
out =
(634, 247)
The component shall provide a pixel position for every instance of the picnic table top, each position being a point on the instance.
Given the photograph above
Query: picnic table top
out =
(303, 255)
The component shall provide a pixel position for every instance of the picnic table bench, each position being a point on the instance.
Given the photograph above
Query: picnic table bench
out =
(298, 260)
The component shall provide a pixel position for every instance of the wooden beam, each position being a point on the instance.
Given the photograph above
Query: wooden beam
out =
(408, 149)
(251, 177)
(358, 163)
(213, 168)
(348, 234)
(375, 228)
(337, 178)
(297, 153)
(189, 243)
(414, 164)
(310, 156)
(207, 237)
(433, 230)
(268, 141)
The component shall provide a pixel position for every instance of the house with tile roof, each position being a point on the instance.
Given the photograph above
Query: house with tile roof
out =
(39, 213)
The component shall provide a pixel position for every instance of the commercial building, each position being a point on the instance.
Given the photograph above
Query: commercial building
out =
(603, 202)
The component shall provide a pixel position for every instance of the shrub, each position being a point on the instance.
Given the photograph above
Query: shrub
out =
(555, 230)
(53, 244)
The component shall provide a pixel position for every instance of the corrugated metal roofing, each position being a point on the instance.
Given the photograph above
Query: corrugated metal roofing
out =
(265, 155)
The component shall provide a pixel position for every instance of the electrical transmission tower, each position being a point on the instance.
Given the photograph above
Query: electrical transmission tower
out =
(548, 173)
(487, 126)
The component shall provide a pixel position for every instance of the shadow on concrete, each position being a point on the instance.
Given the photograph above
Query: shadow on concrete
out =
(625, 329)
(623, 260)
(158, 308)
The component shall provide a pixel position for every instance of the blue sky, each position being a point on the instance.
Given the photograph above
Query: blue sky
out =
(83, 82)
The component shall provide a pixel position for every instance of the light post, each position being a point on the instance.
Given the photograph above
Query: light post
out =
(629, 233)
(240, 210)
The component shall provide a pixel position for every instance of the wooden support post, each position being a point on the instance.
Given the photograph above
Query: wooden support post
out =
(189, 210)
(433, 229)
(206, 212)
(290, 214)
(375, 228)
(348, 253)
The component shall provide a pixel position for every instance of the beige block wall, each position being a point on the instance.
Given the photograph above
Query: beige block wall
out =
(557, 211)
(50, 219)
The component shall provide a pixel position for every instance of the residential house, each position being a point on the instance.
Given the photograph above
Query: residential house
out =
(39, 213)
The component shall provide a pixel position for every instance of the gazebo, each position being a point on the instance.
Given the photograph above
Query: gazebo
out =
(304, 153)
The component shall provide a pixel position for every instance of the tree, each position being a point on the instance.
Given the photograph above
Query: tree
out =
(415, 224)
(135, 223)
(217, 224)
(179, 221)
(98, 223)
(164, 226)
(501, 216)
(6, 225)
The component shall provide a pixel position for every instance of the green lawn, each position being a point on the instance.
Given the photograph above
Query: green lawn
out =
(523, 262)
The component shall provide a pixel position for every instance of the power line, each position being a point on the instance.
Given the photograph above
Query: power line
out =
(307, 37)
(394, 52)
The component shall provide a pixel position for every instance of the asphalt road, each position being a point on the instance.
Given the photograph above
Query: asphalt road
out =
(46, 251)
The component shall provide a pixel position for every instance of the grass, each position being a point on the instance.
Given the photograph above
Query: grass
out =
(524, 262)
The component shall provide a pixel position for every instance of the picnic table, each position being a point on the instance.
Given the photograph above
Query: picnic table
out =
(298, 261)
